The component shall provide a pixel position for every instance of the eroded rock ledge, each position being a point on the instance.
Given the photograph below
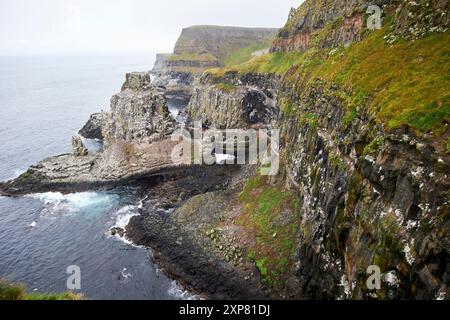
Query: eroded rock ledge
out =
(136, 140)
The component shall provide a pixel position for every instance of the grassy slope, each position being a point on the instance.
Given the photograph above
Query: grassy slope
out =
(192, 57)
(246, 53)
(10, 291)
(270, 215)
(403, 84)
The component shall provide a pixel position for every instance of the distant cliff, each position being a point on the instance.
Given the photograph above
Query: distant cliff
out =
(220, 42)
(202, 47)
(364, 155)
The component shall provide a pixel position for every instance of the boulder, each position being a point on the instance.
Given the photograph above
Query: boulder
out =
(93, 129)
(79, 149)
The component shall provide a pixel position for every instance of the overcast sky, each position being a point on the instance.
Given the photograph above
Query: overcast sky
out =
(87, 26)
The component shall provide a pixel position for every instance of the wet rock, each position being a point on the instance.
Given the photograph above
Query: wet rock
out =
(117, 231)
(193, 260)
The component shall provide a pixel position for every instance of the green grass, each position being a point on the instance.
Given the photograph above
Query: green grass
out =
(276, 63)
(402, 84)
(207, 57)
(226, 87)
(407, 83)
(288, 108)
(265, 214)
(245, 54)
(14, 291)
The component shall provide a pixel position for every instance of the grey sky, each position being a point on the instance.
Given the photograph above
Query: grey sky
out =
(76, 26)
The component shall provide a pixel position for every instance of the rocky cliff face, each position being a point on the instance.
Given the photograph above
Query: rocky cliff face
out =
(364, 159)
(138, 113)
(219, 41)
(368, 189)
(366, 202)
(234, 102)
(93, 129)
(412, 19)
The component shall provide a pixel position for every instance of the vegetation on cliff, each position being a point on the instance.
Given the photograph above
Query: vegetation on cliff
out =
(366, 132)
(405, 83)
(202, 47)
(270, 215)
(14, 291)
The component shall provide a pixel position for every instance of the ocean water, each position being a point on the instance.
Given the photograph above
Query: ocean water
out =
(44, 100)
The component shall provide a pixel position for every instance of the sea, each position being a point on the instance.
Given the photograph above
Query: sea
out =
(44, 101)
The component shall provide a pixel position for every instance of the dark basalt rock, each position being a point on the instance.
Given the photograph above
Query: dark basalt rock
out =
(180, 240)
(93, 129)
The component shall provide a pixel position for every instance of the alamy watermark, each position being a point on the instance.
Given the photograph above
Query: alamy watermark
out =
(74, 280)
(374, 280)
(374, 20)
(227, 147)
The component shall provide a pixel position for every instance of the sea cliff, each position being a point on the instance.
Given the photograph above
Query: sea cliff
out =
(364, 159)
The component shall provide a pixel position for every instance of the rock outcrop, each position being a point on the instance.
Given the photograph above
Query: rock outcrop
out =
(93, 129)
(137, 144)
(79, 149)
(346, 20)
(363, 178)
(231, 102)
(138, 113)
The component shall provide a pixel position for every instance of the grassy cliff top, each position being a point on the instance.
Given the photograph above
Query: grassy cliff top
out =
(404, 83)
(205, 57)
(226, 44)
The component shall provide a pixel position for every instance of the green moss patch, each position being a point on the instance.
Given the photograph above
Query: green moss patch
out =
(401, 84)
(206, 57)
(246, 53)
(226, 87)
(271, 214)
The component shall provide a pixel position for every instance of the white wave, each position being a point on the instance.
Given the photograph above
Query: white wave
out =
(121, 220)
(124, 215)
(176, 291)
(58, 203)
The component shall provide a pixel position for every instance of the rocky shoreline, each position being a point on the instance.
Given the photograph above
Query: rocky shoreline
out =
(360, 183)
(137, 150)
(177, 222)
